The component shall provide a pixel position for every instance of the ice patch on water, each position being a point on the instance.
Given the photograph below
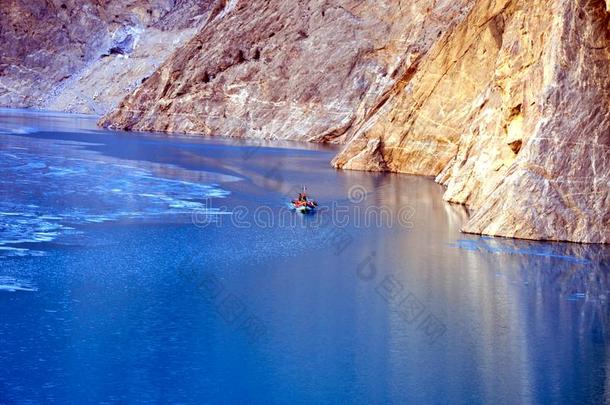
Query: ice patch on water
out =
(186, 204)
(11, 128)
(11, 284)
(7, 251)
(487, 244)
(51, 187)
(576, 297)
(24, 130)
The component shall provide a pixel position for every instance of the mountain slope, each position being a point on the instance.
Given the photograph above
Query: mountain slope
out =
(85, 56)
(505, 102)
(287, 69)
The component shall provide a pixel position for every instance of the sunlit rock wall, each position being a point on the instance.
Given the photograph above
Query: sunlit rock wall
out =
(510, 111)
(306, 70)
(505, 102)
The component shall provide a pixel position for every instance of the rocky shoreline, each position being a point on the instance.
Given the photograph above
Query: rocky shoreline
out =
(504, 102)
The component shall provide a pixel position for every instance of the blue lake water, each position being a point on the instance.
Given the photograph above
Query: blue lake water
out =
(136, 268)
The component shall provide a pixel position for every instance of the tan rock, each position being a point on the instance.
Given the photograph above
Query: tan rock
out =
(103, 83)
(287, 69)
(510, 111)
(504, 101)
(558, 187)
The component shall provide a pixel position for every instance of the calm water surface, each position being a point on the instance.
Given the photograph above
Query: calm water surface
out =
(139, 269)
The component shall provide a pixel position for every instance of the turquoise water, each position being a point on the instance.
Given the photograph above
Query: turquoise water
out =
(136, 268)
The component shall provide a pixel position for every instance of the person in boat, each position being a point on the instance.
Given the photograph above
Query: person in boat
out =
(302, 200)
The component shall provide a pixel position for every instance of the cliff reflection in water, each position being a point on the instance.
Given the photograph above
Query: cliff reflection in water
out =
(520, 310)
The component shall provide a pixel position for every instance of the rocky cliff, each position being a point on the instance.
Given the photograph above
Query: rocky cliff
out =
(290, 69)
(510, 111)
(505, 102)
(85, 56)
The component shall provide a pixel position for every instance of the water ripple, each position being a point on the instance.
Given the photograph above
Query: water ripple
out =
(49, 188)
(11, 284)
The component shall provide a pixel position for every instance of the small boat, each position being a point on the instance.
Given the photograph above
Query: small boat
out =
(302, 204)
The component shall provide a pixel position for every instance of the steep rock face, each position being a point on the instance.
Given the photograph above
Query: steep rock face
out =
(84, 56)
(288, 69)
(559, 186)
(510, 111)
(504, 101)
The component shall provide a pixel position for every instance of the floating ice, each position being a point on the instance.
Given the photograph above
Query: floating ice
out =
(25, 130)
(50, 187)
(576, 296)
(496, 246)
(12, 284)
(7, 251)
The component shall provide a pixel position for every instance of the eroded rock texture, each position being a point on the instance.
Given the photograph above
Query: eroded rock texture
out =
(510, 111)
(504, 101)
(85, 56)
(291, 69)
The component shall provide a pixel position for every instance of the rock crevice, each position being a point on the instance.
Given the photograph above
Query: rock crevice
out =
(526, 145)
